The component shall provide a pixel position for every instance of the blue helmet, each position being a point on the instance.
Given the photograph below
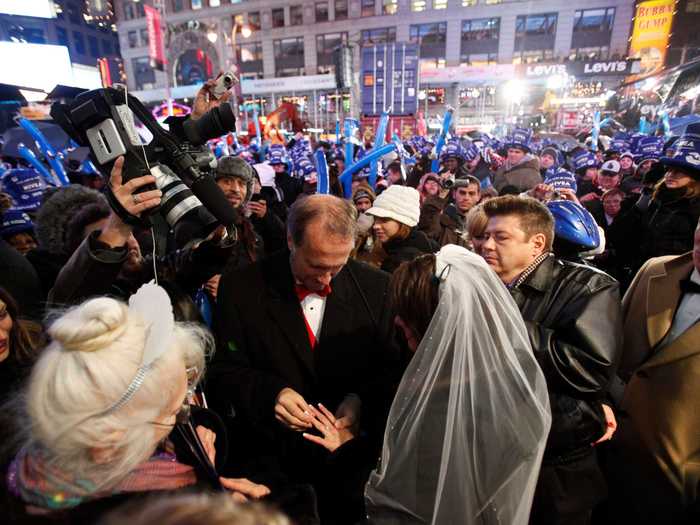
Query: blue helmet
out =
(574, 225)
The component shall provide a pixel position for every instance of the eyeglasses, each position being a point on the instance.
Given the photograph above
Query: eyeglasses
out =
(183, 414)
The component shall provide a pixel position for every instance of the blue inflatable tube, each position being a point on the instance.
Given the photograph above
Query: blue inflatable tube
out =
(374, 154)
(322, 180)
(46, 149)
(446, 122)
(35, 163)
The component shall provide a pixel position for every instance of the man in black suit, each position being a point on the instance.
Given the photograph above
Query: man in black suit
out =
(305, 326)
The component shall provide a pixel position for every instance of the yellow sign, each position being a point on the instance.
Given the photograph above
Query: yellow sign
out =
(652, 27)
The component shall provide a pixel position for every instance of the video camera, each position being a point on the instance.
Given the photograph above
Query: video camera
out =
(192, 203)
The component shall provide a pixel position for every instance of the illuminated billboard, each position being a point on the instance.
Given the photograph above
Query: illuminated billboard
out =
(652, 27)
(56, 67)
(35, 8)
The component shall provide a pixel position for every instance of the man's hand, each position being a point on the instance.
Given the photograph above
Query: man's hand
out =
(292, 411)
(568, 195)
(242, 489)
(205, 100)
(590, 197)
(258, 208)
(611, 423)
(117, 232)
(327, 425)
(541, 192)
(348, 414)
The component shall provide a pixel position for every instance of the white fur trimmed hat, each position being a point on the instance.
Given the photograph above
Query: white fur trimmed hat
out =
(400, 203)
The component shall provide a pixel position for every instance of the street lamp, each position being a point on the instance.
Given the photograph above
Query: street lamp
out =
(246, 31)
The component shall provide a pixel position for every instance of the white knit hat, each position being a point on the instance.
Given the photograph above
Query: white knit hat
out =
(401, 203)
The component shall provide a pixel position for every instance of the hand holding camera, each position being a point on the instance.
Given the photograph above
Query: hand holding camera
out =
(212, 94)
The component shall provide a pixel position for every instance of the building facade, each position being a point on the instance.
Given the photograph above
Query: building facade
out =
(87, 37)
(296, 38)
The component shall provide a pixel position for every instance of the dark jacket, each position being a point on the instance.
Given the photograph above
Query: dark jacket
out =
(572, 314)
(523, 176)
(19, 278)
(94, 269)
(291, 187)
(263, 347)
(481, 172)
(402, 250)
(665, 227)
(441, 222)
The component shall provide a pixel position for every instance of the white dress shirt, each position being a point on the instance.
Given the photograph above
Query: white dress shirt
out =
(314, 307)
(687, 314)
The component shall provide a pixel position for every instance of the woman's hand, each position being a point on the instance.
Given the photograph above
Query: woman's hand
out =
(242, 489)
(611, 423)
(325, 423)
(208, 438)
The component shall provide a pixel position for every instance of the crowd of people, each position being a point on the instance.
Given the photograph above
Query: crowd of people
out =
(500, 330)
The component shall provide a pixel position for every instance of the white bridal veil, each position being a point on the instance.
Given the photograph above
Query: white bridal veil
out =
(467, 428)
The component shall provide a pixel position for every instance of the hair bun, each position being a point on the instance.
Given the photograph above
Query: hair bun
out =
(91, 326)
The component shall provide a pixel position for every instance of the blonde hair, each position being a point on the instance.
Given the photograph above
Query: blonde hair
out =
(475, 222)
(195, 509)
(96, 350)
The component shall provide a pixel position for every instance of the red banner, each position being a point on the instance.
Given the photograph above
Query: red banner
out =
(156, 50)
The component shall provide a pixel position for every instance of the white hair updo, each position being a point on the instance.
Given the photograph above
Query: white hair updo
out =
(96, 350)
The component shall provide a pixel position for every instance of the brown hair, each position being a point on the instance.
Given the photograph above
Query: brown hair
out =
(339, 216)
(25, 336)
(194, 509)
(612, 192)
(692, 191)
(475, 222)
(414, 292)
(534, 217)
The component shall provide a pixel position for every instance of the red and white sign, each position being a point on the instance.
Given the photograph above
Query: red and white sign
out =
(569, 120)
(156, 50)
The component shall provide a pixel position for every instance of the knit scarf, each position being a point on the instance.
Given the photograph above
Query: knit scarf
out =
(31, 478)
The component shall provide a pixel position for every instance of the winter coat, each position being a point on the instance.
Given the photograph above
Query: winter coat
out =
(441, 222)
(657, 444)
(572, 315)
(402, 250)
(523, 176)
(665, 227)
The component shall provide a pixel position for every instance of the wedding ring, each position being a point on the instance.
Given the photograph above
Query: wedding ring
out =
(136, 198)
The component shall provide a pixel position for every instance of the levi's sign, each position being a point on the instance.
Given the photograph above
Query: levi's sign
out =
(542, 70)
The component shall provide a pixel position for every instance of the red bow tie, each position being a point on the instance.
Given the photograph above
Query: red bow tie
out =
(302, 291)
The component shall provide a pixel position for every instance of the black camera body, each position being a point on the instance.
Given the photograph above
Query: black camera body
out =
(192, 203)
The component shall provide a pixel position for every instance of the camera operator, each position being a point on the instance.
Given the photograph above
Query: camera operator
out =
(109, 260)
(260, 232)
(442, 216)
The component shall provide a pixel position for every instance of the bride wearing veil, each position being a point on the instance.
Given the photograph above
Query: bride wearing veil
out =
(468, 425)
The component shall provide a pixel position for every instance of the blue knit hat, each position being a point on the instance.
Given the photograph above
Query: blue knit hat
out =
(15, 221)
(521, 138)
(560, 179)
(649, 148)
(583, 160)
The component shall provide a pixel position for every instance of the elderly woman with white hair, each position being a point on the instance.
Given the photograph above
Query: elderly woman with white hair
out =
(101, 402)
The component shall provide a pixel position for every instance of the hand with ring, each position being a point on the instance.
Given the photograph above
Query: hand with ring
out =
(116, 232)
(325, 422)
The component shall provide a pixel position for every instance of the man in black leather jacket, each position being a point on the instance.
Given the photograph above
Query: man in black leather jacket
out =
(572, 313)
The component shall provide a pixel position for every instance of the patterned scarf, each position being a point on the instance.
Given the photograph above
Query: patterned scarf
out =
(533, 266)
(32, 479)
